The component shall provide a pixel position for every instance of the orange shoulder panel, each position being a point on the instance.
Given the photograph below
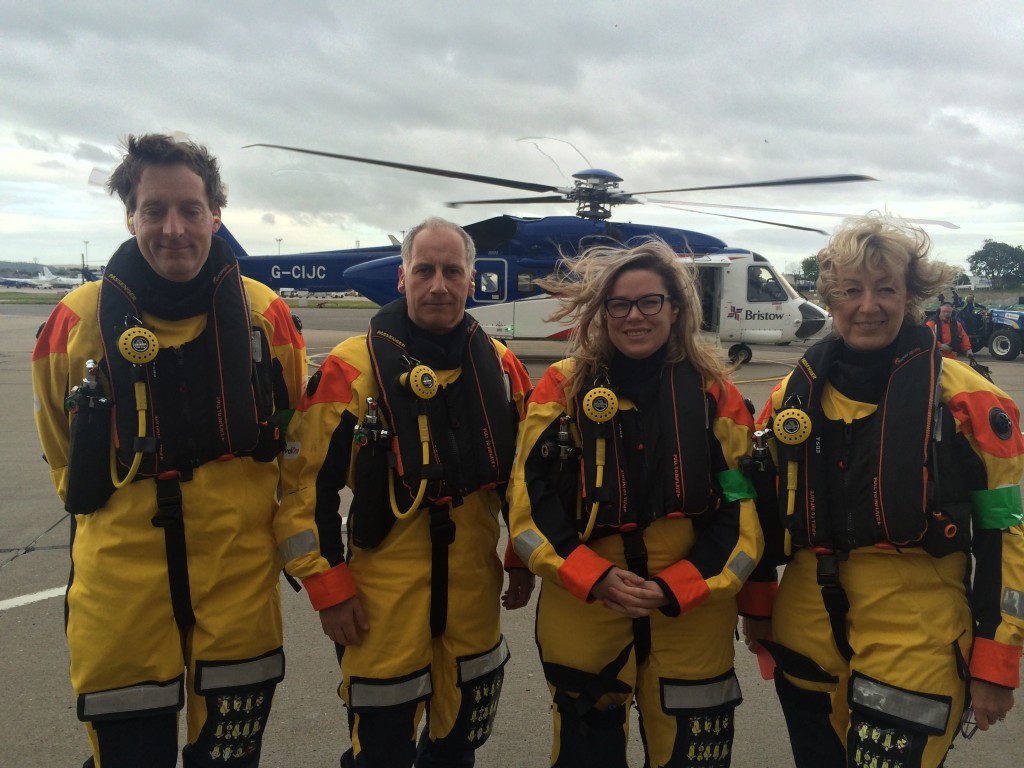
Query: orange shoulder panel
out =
(53, 338)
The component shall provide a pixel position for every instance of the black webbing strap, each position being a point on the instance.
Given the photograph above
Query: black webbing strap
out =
(636, 562)
(834, 596)
(588, 686)
(442, 533)
(169, 517)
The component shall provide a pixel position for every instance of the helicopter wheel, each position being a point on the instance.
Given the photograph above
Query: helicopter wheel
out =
(740, 354)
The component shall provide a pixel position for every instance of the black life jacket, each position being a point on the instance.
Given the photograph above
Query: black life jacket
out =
(207, 398)
(886, 479)
(657, 463)
(472, 430)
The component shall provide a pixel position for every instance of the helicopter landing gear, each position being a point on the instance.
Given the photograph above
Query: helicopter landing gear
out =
(740, 354)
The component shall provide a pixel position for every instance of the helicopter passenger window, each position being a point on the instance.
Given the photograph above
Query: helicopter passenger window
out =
(762, 285)
(524, 283)
(489, 282)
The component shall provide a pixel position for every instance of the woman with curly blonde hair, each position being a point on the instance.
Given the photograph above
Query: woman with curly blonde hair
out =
(895, 466)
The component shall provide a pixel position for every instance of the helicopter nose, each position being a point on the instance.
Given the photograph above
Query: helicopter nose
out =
(813, 321)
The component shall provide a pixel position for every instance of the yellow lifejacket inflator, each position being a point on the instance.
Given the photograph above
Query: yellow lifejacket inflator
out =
(791, 427)
(139, 346)
(422, 382)
(600, 405)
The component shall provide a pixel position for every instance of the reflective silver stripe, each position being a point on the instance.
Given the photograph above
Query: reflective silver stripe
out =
(298, 545)
(478, 666)
(213, 677)
(135, 698)
(701, 695)
(905, 705)
(742, 565)
(1013, 603)
(525, 544)
(385, 694)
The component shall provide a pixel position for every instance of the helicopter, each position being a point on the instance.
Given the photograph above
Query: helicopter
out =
(513, 252)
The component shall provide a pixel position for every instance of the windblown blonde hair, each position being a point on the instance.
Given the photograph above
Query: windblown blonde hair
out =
(587, 280)
(885, 245)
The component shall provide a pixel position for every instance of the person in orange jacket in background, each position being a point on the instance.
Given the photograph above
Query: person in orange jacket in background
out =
(953, 339)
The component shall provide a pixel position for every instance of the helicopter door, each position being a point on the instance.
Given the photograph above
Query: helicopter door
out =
(491, 281)
(710, 283)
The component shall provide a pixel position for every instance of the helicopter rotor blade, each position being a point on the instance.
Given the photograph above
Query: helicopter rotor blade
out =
(775, 183)
(524, 185)
(744, 218)
(508, 200)
(936, 222)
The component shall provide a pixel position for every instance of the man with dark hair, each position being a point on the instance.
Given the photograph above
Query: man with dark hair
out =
(953, 339)
(419, 419)
(166, 453)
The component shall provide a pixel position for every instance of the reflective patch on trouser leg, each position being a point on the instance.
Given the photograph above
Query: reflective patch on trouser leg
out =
(233, 732)
(705, 719)
(813, 740)
(128, 743)
(891, 724)
(480, 681)
(596, 738)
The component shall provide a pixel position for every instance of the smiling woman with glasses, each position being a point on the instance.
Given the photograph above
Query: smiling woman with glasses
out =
(627, 499)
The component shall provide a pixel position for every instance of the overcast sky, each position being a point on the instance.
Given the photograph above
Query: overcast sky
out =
(928, 97)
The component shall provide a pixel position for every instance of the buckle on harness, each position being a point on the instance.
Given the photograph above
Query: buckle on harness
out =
(442, 527)
(828, 568)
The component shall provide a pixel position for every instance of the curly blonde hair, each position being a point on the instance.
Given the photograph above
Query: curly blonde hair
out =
(886, 245)
(587, 280)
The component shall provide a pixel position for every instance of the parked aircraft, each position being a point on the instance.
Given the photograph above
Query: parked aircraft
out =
(60, 281)
(47, 279)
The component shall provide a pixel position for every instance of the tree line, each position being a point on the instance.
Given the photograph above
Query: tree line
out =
(1001, 263)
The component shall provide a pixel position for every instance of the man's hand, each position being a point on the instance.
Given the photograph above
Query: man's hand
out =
(990, 703)
(345, 623)
(945, 347)
(520, 587)
(754, 631)
(629, 594)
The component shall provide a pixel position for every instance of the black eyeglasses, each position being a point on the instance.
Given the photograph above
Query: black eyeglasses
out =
(648, 305)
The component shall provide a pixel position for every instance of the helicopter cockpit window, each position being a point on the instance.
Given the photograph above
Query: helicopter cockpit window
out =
(524, 283)
(489, 282)
(762, 285)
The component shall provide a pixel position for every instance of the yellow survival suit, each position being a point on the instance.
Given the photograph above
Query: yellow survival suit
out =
(422, 430)
(655, 490)
(174, 587)
(893, 467)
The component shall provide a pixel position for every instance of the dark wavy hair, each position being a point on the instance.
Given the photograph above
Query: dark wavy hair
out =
(161, 149)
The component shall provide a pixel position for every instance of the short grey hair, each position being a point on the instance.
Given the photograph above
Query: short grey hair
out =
(437, 223)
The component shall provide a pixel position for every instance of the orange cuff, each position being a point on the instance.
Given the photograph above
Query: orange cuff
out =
(686, 584)
(996, 662)
(582, 570)
(755, 599)
(512, 560)
(330, 587)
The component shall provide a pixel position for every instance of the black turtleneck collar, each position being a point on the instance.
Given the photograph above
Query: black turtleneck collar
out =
(173, 300)
(637, 379)
(862, 376)
(440, 351)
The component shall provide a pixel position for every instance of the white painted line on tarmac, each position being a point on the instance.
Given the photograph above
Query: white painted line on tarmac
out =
(35, 597)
